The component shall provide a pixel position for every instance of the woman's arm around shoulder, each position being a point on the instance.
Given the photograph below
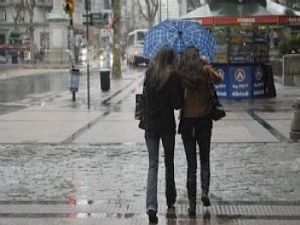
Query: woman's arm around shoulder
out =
(213, 72)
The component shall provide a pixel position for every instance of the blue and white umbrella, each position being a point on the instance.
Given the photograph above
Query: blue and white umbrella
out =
(179, 34)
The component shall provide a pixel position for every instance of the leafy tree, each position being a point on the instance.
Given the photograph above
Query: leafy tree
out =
(290, 44)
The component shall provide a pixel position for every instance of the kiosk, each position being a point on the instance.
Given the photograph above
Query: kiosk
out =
(246, 35)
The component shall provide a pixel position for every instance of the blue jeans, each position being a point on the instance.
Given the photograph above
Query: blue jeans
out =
(152, 142)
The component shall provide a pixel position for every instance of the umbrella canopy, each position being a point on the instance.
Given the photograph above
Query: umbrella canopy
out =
(179, 34)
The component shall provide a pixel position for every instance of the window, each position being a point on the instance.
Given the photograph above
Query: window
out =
(131, 40)
(140, 36)
(2, 15)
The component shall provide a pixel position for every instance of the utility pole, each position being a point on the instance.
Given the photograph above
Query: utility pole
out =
(167, 9)
(87, 7)
(160, 11)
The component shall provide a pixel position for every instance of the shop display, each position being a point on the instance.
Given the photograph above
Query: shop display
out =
(239, 44)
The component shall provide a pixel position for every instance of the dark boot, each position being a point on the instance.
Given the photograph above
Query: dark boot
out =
(205, 177)
(192, 208)
(152, 217)
(192, 191)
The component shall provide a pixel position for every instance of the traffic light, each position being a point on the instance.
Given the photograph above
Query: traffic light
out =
(69, 8)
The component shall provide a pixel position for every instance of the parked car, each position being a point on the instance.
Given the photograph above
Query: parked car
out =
(2, 59)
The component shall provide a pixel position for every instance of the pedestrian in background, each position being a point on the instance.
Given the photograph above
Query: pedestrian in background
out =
(195, 124)
(162, 95)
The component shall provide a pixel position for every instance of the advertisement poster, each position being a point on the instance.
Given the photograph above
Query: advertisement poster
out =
(222, 88)
(258, 82)
(240, 82)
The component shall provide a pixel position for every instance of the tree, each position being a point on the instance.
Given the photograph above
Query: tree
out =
(116, 23)
(290, 44)
(150, 11)
(193, 4)
(30, 5)
(17, 11)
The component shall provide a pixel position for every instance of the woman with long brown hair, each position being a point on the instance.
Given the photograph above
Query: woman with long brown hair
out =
(162, 95)
(195, 122)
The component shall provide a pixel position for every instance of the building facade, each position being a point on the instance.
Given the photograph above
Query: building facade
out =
(14, 32)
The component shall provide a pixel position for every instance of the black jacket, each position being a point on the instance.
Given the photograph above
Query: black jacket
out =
(160, 105)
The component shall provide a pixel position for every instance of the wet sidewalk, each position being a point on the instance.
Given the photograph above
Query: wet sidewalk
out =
(106, 184)
(62, 163)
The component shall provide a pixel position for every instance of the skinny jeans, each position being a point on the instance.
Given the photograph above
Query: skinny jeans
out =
(152, 143)
(197, 132)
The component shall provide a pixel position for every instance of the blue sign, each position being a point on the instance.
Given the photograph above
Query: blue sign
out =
(240, 86)
(258, 81)
(223, 87)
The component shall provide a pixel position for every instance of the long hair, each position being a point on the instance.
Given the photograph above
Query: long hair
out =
(161, 66)
(191, 68)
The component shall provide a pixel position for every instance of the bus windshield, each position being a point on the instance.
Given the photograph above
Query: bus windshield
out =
(141, 37)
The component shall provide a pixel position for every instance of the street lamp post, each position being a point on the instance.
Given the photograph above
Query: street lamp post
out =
(87, 7)
(160, 11)
(167, 9)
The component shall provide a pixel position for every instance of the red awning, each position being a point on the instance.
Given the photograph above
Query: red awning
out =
(249, 20)
(15, 46)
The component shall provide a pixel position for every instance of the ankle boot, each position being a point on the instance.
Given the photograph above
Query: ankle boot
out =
(205, 177)
(192, 208)
(192, 192)
(205, 199)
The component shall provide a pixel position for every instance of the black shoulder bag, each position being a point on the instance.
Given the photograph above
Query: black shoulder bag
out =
(140, 106)
(217, 111)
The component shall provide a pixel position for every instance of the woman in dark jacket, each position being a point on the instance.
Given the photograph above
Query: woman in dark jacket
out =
(195, 123)
(162, 95)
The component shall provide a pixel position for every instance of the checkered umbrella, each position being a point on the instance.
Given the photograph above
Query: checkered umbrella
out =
(179, 34)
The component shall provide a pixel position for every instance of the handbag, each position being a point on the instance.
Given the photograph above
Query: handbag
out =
(139, 106)
(217, 111)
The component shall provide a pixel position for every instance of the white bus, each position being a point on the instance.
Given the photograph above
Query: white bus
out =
(135, 47)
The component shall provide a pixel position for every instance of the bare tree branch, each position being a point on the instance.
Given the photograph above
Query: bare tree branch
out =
(193, 3)
(18, 10)
(151, 10)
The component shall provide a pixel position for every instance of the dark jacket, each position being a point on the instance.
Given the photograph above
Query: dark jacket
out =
(160, 105)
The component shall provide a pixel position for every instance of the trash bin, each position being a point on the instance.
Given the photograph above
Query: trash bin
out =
(74, 80)
(270, 90)
(105, 79)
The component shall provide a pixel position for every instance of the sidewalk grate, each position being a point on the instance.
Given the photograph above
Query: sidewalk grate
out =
(221, 210)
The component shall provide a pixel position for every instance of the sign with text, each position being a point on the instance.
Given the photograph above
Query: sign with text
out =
(240, 82)
(222, 88)
(258, 81)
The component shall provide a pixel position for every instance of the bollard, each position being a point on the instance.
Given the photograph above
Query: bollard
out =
(74, 82)
(295, 126)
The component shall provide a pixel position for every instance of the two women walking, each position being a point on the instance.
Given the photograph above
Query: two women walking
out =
(168, 86)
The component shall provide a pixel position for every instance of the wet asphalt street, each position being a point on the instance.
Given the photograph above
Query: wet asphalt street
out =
(96, 174)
